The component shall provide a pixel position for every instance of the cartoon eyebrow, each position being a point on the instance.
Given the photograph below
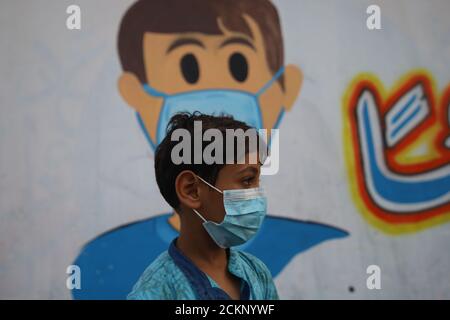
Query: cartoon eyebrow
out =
(184, 41)
(237, 40)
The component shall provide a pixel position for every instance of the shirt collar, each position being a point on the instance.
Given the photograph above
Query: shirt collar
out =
(198, 278)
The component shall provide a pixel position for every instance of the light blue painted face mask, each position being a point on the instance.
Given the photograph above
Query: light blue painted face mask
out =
(245, 211)
(242, 105)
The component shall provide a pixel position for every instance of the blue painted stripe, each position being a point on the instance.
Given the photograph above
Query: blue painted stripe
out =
(404, 122)
(404, 109)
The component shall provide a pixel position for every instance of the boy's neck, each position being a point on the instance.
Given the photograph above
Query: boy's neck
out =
(202, 250)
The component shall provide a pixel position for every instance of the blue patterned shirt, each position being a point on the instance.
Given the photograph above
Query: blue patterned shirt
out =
(173, 276)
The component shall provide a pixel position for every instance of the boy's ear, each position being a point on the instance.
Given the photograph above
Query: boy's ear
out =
(187, 189)
(293, 80)
(133, 93)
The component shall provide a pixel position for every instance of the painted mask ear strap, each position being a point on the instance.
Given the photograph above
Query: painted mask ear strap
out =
(153, 92)
(210, 184)
(271, 81)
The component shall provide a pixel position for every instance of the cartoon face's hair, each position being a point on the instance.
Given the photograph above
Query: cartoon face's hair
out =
(178, 16)
(166, 171)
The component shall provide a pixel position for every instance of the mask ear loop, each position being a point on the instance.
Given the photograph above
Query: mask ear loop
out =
(210, 185)
(271, 81)
(201, 217)
(153, 92)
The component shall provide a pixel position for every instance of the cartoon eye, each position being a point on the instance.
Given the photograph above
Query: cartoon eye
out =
(238, 66)
(189, 68)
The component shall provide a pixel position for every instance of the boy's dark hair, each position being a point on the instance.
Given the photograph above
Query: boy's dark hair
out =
(166, 171)
(175, 16)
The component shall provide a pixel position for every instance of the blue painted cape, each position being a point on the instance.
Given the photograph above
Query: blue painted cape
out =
(113, 262)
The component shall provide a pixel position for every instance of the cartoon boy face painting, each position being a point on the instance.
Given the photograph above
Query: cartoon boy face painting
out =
(212, 56)
(224, 56)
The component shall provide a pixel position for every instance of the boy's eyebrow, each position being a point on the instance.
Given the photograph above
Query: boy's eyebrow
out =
(252, 169)
(239, 40)
(184, 41)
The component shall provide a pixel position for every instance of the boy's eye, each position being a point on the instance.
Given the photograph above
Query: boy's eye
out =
(248, 181)
(238, 67)
(189, 68)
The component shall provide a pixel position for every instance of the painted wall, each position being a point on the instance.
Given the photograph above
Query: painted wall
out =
(355, 153)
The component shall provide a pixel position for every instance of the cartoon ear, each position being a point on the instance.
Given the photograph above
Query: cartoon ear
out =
(133, 93)
(148, 107)
(293, 80)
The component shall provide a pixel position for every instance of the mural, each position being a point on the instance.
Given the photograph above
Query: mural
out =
(397, 145)
(224, 57)
(363, 118)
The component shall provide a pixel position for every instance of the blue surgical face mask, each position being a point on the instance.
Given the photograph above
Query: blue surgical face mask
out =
(245, 211)
(242, 105)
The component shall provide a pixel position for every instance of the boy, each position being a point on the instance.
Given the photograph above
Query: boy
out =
(220, 206)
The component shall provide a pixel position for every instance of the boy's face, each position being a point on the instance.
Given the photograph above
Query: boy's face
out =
(183, 62)
(231, 176)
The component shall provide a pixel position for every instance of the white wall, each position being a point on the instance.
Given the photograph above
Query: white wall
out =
(73, 162)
